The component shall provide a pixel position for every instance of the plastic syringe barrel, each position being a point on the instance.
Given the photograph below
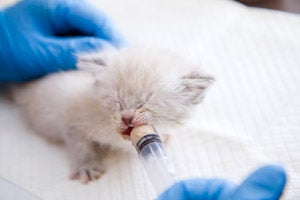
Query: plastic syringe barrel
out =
(159, 170)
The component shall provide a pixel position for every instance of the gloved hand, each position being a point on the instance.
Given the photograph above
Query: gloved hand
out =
(265, 183)
(43, 36)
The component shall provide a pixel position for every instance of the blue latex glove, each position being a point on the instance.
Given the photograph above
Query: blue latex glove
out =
(266, 183)
(43, 36)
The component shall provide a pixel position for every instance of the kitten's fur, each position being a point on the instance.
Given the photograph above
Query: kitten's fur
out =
(85, 108)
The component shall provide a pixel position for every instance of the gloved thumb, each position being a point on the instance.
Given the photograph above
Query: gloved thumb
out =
(64, 51)
(265, 183)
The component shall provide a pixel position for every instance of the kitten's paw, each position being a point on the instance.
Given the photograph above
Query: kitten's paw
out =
(88, 173)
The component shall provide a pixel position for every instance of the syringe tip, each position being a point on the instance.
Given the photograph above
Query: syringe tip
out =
(140, 131)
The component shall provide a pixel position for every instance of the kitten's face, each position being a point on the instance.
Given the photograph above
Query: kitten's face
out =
(141, 87)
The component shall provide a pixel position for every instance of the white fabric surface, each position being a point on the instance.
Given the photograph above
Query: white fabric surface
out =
(251, 116)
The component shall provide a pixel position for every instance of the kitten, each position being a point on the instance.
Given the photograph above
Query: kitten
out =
(111, 92)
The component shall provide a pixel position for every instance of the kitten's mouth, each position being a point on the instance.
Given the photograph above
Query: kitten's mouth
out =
(126, 133)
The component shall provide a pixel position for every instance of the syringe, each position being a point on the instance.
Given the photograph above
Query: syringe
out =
(151, 151)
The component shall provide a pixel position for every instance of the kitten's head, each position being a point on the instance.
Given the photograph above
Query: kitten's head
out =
(144, 86)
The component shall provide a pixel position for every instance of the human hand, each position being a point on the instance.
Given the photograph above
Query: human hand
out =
(39, 37)
(266, 183)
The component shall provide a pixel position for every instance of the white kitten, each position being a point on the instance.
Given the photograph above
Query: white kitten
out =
(112, 92)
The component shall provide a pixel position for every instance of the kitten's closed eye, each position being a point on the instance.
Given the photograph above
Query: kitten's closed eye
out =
(139, 105)
(118, 105)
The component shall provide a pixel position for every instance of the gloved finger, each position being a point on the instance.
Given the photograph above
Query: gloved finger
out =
(73, 16)
(62, 53)
(265, 183)
(195, 189)
(59, 54)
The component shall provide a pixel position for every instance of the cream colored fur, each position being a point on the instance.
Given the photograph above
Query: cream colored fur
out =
(84, 108)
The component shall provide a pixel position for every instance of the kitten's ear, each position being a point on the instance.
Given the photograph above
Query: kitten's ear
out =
(193, 87)
(91, 62)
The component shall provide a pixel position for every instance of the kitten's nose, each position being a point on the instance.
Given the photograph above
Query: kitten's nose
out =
(127, 117)
(127, 121)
